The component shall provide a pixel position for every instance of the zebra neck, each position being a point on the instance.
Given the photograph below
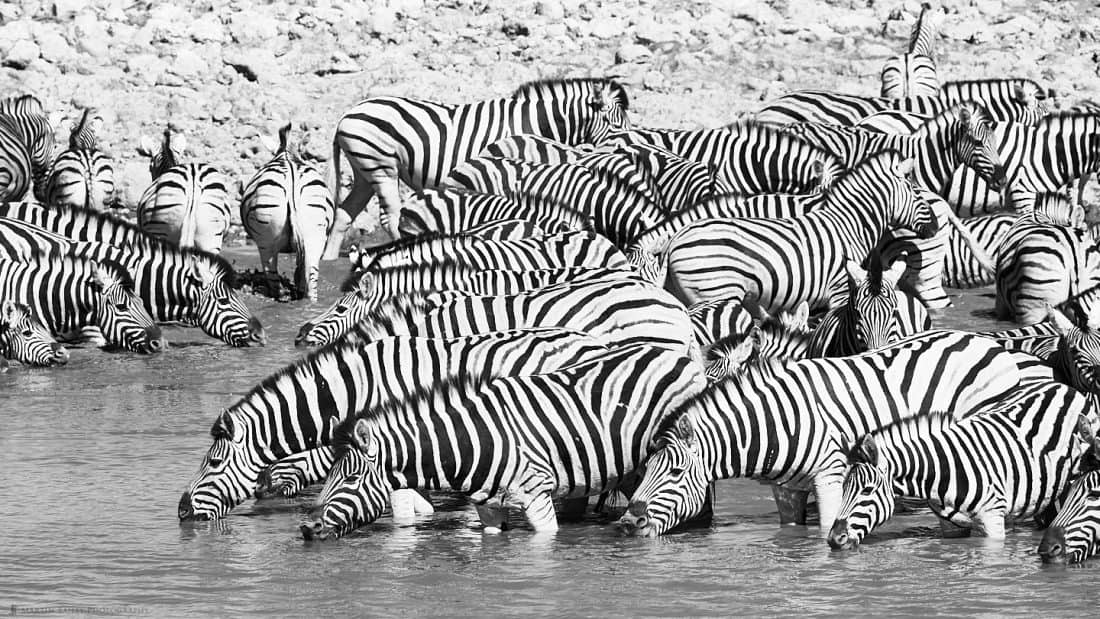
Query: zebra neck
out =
(539, 116)
(428, 447)
(934, 152)
(856, 222)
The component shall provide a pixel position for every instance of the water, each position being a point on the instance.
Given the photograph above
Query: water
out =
(95, 455)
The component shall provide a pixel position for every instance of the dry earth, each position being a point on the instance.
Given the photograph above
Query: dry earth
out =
(226, 72)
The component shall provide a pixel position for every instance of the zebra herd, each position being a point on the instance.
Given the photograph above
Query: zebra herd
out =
(571, 307)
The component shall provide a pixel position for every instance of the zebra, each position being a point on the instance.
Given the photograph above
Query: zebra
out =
(25, 339)
(617, 309)
(455, 210)
(494, 175)
(975, 473)
(785, 261)
(285, 208)
(913, 74)
(1017, 100)
(679, 182)
(186, 204)
(746, 157)
(784, 337)
(509, 442)
(184, 286)
(83, 175)
(78, 298)
(26, 148)
(1069, 347)
(534, 148)
(287, 414)
(788, 424)
(419, 142)
(1074, 535)
(579, 249)
(20, 240)
(877, 313)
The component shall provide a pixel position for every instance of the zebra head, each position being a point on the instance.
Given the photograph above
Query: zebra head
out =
(1078, 352)
(164, 156)
(227, 475)
(907, 208)
(975, 144)
(1031, 102)
(23, 338)
(729, 355)
(340, 317)
(1075, 533)
(674, 483)
(650, 265)
(119, 313)
(776, 339)
(356, 492)
(219, 310)
(868, 499)
(872, 302)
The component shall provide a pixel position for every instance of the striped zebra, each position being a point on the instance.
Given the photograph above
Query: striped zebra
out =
(976, 473)
(535, 148)
(787, 425)
(786, 261)
(83, 175)
(515, 442)
(25, 339)
(26, 148)
(876, 314)
(1074, 535)
(20, 240)
(179, 286)
(286, 208)
(784, 337)
(913, 74)
(499, 176)
(746, 157)
(77, 298)
(1016, 100)
(187, 204)
(286, 414)
(679, 182)
(719, 319)
(570, 249)
(455, 210)
(1072, 350)
(419, 142)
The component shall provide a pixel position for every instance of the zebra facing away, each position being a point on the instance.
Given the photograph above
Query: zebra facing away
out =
(787, 425)
(186, 204)
(419, 142)
(509, 442)
(286, 208)
(913, 74)
(83, 175)
(1074, 535)
(25, 339)
(286, 414)
(26, 148)
(78, 298)
(785, 261)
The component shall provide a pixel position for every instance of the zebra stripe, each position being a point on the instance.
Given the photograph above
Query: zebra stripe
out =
(420, 142)
(287, 414)
(788, 424)
(452, 210)
(25, 339)
(786, 261)
(510, 442)
(1075, 534)
(82, 175)
(75, 296)
(679, 182)
(913, 74)
(785, 337)
(292, 474)
(188, 206)
(26, 148)
(286, 208)
(534, 148)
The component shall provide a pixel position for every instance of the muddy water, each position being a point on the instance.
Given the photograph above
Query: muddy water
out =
(94, 457)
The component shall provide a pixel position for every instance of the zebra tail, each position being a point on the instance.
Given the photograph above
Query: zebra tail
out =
(984, 259)
(301, 261)
(920, 39)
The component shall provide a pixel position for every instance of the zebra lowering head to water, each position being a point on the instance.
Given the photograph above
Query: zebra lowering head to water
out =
(508, 442)
(23, 338)
(419, 142)
(77, 298)
(1074, 535)
(26, 148)
(83, 175)
(290, 413)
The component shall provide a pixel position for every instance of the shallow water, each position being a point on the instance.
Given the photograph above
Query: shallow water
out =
(95, 455)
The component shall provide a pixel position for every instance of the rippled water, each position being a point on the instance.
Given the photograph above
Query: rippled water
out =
(94, 457)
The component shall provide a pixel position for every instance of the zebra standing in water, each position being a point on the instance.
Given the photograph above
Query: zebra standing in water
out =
(83, 175)
(287, 414)
(285, 208)
(1074, 535)
(913, 74)
(26, 148)
(25, 339)
(510, 442)
(187, 204)
(419, 142)
(788, 425)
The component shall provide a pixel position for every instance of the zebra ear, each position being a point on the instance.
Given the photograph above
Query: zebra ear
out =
(866, 451)
(364, 440)
(102, 277)
(964, 116)
(1023, 95)
(8, 313)
(799, 319)
(270, 143)
(892, 276)
(147, 146)
(685, 430)
(855, 273)
(1061, 322)
(904, 167)
(224, 427)
(751, 304)
(365, 285)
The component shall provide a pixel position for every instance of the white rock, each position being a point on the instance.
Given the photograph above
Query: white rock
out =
(382, 20)
(606, 27)
(188, 64)
(852, 22)
(207, 28)
(647, 30)
(653, 80)
(632, 52)
(168, 20)
(408, 8)
(755, 11)
(21, 54)
(146, 68)
(15, 31)
(550, 9)
(253, 27)
(67, 9)
(255, 64)
(54, 47)
(91, 35)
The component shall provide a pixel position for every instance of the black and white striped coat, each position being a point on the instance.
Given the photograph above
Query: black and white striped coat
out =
(26, 148)
(24, 339)
(913, 74)
(83, 175)
(456, 210)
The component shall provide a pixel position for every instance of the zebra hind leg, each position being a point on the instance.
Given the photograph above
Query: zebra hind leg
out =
(389, 205)
(791, 504)
(493, 516)
(950, 530)
(346, 212)
(540, 513)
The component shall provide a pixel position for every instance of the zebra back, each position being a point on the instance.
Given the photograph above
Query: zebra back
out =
(82, 175)
(25, 117)
(1040, 265)
(913, 73)
(1012, 100)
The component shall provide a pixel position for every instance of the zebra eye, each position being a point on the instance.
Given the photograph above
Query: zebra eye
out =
(1094, 495)
(340, 309)
(223, 301)
(215, 462)
(351, 479)
(122, 307)
(867, 490)
(27, 333)
(677, 471)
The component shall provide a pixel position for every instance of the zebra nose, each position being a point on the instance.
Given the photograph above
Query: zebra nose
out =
(155, 342)
(637, 508)
(185, 511)
(838, 535)
(997, 183)
(1052, 549)
(312, 530)
(60, 354)
(303, 334)
(256, 332)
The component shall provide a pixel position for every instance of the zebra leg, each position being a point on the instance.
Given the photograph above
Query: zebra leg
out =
(350, 207)
(540, 513)
(791, 504)
(389, 205)
(493, 516)
(422, 504)
(990, 523)
(572, 510)
(830, 494)
(403, 505)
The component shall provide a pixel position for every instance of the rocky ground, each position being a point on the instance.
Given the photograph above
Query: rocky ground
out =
(224, 73)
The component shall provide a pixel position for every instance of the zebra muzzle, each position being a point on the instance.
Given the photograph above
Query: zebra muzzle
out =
(302, 339)
(839, 536)
(314, 530)
(1052, 548)
(636, 520)
(60, 354)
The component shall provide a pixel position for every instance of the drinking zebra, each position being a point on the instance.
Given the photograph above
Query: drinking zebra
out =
(419, 142)
(83, 175)
(25, 339)
(26, 148)
(187, 204)
(1074, 535)
(913, 74)
(510, 442)
(287, 414)
(77, 298)
(285, 208)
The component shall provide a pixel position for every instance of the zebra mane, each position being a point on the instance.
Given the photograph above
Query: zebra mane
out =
(859, 169)
(166, 158)
(56, 262)
(538, 87)
(394, 309)
(918, 29)
(723, 347)
(932, 421)
(1001, 81)
(352, 281)
(81, 135)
